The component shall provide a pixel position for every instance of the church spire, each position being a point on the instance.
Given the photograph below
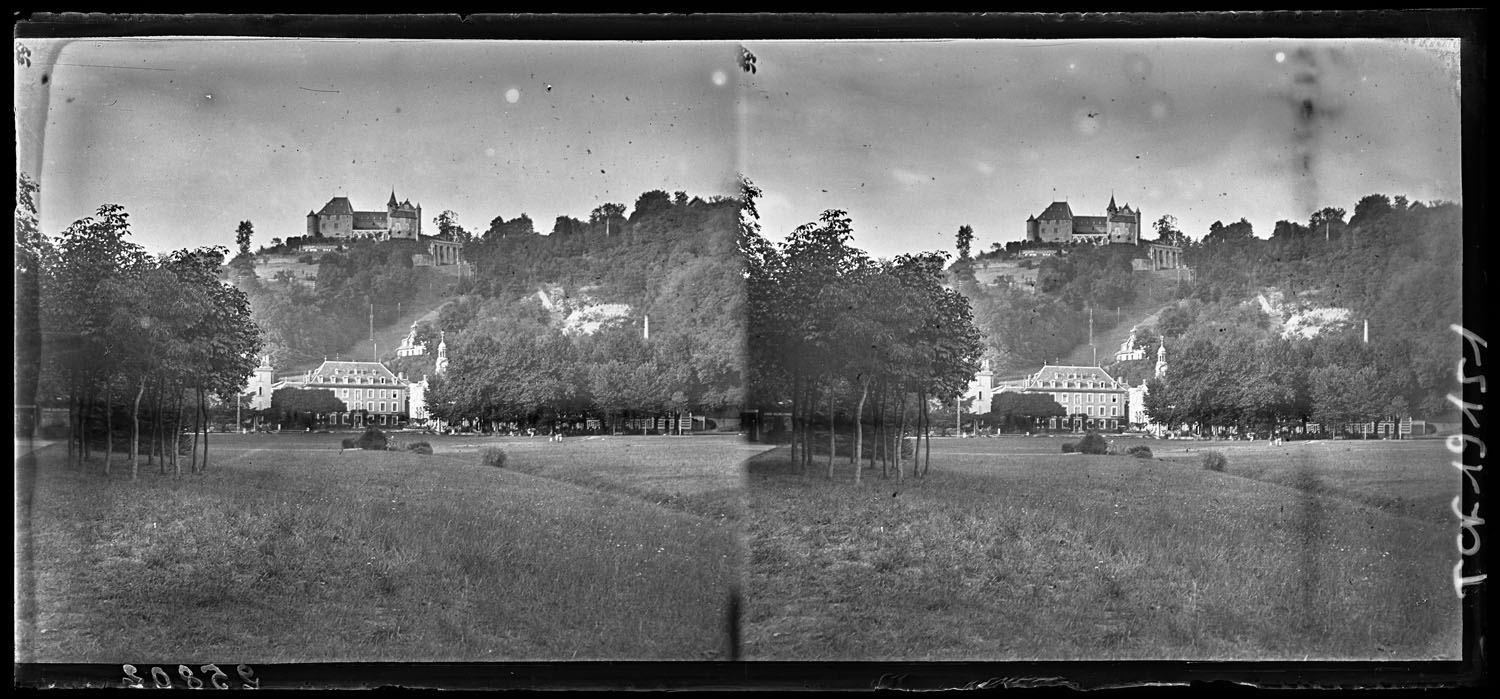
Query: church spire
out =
(1112, 208)
(392, 203)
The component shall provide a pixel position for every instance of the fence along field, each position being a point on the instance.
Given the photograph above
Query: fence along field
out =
(289, 551)
(1011, 550)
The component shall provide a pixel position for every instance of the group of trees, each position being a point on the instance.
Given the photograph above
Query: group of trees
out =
(672, 260)
(124, 335)
(835, 334)
(1392, 264)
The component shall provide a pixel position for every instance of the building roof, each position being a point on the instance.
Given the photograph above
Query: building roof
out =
(1066, 372)
(337, 206)
(370, 220)
(363, 372)
(1090, 224)
(1055, 211)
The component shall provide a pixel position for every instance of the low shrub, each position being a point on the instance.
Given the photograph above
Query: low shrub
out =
(1214, 461)
(419, 447)
(349, 443)
(493, 456)
(372, 439)
(1139, 451)
(1093, 444)
(1069, 447)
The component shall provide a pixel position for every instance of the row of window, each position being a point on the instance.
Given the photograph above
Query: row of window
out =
(1064, 398)
(1075, 384)
(352, 379)
(371, 393)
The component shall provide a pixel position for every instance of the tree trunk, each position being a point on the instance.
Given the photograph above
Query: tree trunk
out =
(197, 422)
(832, 433)
(859, 428)
(135, 430)
(792, 446)
(176, 435)
(926, 430)
(900, 434)
(73, 416)
(882, 434)
(203, 402)
(109, 429)
(161, 429)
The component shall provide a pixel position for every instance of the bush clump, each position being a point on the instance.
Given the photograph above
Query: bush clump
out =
(349, 443)
(1069, 447)
(1093, 444)
(1140, 451)
(419, 447)
(372, 439)
(1214, 461)
(493, 456)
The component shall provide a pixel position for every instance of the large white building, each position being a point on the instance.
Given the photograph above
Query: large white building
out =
(1093, 399)
(371, 393)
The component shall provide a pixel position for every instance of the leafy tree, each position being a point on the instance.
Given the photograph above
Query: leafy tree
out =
(1369, 209)
(609, 217)
(32, 249)
(1167, 232)
(654, 201)
(1018, 410)
(965, 240)
(306, 407)
(448, 228)
(242, 236)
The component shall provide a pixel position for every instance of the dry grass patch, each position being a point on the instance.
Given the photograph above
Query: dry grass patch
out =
(287, 554)
(1022, 555)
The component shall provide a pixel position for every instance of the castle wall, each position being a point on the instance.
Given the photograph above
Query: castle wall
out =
(1055, 231)
(336, 225)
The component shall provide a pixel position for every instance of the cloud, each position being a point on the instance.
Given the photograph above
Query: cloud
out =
(984, 168)
(907, 177)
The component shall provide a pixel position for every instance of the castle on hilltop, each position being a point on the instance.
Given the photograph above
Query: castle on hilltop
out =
(1120, 224)
(1057, 224)
(338, 219)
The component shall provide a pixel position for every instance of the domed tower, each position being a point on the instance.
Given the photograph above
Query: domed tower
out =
(440, 367)
(261, 383)
(1161, 359)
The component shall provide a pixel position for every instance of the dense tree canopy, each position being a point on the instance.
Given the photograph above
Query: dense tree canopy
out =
(831, 328)
(125, 332)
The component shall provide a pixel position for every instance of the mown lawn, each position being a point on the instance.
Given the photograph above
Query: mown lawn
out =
(1010, 550)
(289, 551)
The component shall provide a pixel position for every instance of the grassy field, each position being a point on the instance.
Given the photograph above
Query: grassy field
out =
(1011, 550)
(289, 551)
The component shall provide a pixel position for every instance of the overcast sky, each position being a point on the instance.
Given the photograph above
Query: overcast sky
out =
(912, 138)
(916, 138)
(193, 136)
